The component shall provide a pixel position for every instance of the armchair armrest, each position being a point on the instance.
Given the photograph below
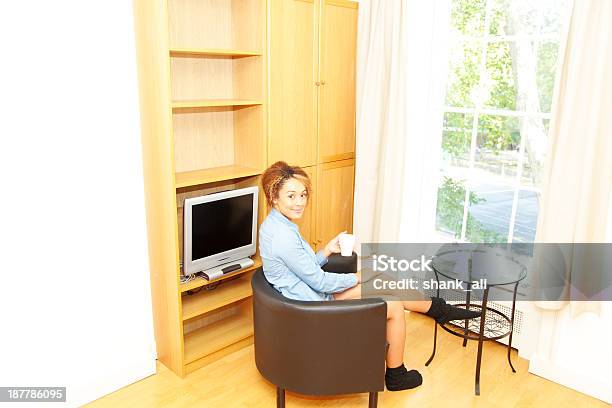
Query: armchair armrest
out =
(337, 263)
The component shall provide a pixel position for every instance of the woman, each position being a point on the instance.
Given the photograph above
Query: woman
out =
(293, 268)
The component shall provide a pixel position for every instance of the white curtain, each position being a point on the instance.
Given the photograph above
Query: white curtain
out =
(565, 344)
(379, 167)
(578, 182)
(400, 58)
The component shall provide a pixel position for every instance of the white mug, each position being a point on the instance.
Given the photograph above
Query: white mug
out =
(347, 242)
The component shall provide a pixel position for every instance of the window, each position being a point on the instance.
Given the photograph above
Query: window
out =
(496, 114)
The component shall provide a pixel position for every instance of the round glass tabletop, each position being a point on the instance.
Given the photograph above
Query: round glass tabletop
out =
(473, 262)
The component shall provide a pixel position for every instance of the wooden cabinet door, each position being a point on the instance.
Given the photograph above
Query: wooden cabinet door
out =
(293, 62)
(306, 223)
(334, 197)
(338, 49)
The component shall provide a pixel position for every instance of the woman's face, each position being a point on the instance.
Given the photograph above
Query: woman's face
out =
(292, 199)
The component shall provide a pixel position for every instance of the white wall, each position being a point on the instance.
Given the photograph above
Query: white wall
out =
(74, 293)
(574, 351)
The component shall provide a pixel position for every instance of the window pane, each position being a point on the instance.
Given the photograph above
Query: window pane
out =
(493, 179)
(536, 146)
(464, 74)
(547, 66)
(552, 12)
(512, 17)
(526, 216)
(499, 84)
(489, 212)
(449, 207)
(467, 17)
(497, 149)
(456, 139)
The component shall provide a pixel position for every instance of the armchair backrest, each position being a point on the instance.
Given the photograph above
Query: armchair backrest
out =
(319, 348)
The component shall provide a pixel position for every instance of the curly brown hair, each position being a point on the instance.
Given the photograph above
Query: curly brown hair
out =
(277, 175)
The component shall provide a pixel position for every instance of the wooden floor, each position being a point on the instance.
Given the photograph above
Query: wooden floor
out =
(448, 382)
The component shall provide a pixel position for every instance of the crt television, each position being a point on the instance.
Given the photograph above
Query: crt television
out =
(219, 228)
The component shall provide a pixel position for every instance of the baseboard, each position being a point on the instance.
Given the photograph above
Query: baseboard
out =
(568, 377)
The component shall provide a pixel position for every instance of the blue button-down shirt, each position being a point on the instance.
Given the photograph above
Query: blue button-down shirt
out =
(290, 264)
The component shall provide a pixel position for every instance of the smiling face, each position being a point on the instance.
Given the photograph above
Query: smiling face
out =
(292, 199)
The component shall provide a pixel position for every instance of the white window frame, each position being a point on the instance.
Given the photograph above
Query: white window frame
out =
(479, 110)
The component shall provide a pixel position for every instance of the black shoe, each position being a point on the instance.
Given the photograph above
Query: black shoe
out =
(397, 379)
(442, 312)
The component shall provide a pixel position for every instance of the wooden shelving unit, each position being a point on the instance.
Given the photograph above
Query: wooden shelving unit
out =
(202, 72)
(210, 122)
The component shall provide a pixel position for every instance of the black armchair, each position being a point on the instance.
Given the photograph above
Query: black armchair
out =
(319, 348)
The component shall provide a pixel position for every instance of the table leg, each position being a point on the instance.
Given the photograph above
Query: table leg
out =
(512, 326)
(480, 339)
(466, 322)
(433, 352)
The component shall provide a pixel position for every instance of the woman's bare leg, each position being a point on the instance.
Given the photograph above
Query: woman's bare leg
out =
(421, 306)
(396, 333)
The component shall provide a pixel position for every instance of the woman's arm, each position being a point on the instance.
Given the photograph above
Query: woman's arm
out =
(300, 262)
(332, 247)
(322, 258)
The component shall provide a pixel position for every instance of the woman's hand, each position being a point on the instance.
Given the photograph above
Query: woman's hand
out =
(333, 246)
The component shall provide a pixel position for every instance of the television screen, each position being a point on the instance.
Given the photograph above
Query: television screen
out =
(222, 225)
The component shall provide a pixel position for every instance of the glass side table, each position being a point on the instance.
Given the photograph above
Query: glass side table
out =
(473, 265)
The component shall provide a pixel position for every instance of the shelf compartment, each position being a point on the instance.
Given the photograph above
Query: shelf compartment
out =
(211, 103)
(218, 143)
(197, 177)
(214, 337)
(217, 78)
(194, 284)
(234, 24)
(208, 300)
(211, 52)
(191, 367)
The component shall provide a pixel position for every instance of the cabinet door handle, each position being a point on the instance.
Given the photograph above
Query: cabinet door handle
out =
(317, 83)
(322, 82)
